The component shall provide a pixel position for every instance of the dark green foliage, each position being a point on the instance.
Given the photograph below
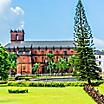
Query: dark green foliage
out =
(35, 67)
(50, 55)
(13, 62)
(13, 58)
(62, 64)
(50, 62)
(73, 61)
(17, 90)
(45, 84)
(3, 82)
(86, 67)
(4, 63)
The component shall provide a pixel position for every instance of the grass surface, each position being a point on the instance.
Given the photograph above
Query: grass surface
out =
(101, 88)
(41, 95)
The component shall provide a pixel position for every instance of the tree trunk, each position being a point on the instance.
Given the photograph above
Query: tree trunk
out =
(89, 81)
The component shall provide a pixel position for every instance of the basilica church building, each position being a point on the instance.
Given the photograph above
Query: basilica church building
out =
(31, 52)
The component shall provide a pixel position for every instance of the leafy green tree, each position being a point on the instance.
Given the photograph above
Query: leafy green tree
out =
(13, 62)
(35, 67)
(62, 65)
(73, 61)
(4, 63)
(50, 56)
(52, 66)
(87, 67)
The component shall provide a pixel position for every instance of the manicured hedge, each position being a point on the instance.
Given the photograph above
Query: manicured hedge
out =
(50, 84)
(3, 82)
(3, 85)
(45, 84)
(19, 84)
(17, 90)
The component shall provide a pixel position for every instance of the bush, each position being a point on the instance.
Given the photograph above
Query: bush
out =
(3, 85)
(18, 90)
(11, 79)
(19, 84)
(13, 83)
(80, 84)
(45, 84)
(3, 82)
(33, 84)
(50, 84)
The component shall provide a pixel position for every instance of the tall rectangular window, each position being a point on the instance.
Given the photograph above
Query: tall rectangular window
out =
(17, 37)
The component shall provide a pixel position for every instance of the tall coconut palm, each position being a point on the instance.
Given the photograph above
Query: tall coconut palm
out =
(35, 68)
(50, 61)
(62, 65)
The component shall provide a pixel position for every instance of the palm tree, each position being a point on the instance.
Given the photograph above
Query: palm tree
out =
(50, 61)
(73, 61)
(35, 68)
(62, 65)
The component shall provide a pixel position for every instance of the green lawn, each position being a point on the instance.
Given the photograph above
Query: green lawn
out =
(101, 88)
(42, 95)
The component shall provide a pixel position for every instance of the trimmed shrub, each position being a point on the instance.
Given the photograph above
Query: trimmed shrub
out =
(33, 84)
(13, 83)
(3, 82)
(49, 84)
(18, 90)
(44, 84)
(11, 79)
(75, 84)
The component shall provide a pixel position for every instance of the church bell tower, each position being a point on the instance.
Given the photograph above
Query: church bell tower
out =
(17, 35)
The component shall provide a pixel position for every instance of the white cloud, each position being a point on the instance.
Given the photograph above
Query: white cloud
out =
(4, 5)
(17, 10)
(10, 18)
(99, 43)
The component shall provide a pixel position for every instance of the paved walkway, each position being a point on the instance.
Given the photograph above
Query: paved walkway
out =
(54, 79)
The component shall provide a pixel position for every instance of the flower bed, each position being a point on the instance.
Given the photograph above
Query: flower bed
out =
(99, 98)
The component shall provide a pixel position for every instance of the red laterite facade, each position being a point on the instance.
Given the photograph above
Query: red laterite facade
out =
(31, 52)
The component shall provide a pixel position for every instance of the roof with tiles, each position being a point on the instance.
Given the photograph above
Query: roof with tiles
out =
(98, 52)
(41, 44)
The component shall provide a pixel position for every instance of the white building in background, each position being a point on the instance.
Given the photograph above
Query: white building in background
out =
(99, 55)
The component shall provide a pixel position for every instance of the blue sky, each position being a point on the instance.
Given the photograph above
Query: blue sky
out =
(49, 19)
